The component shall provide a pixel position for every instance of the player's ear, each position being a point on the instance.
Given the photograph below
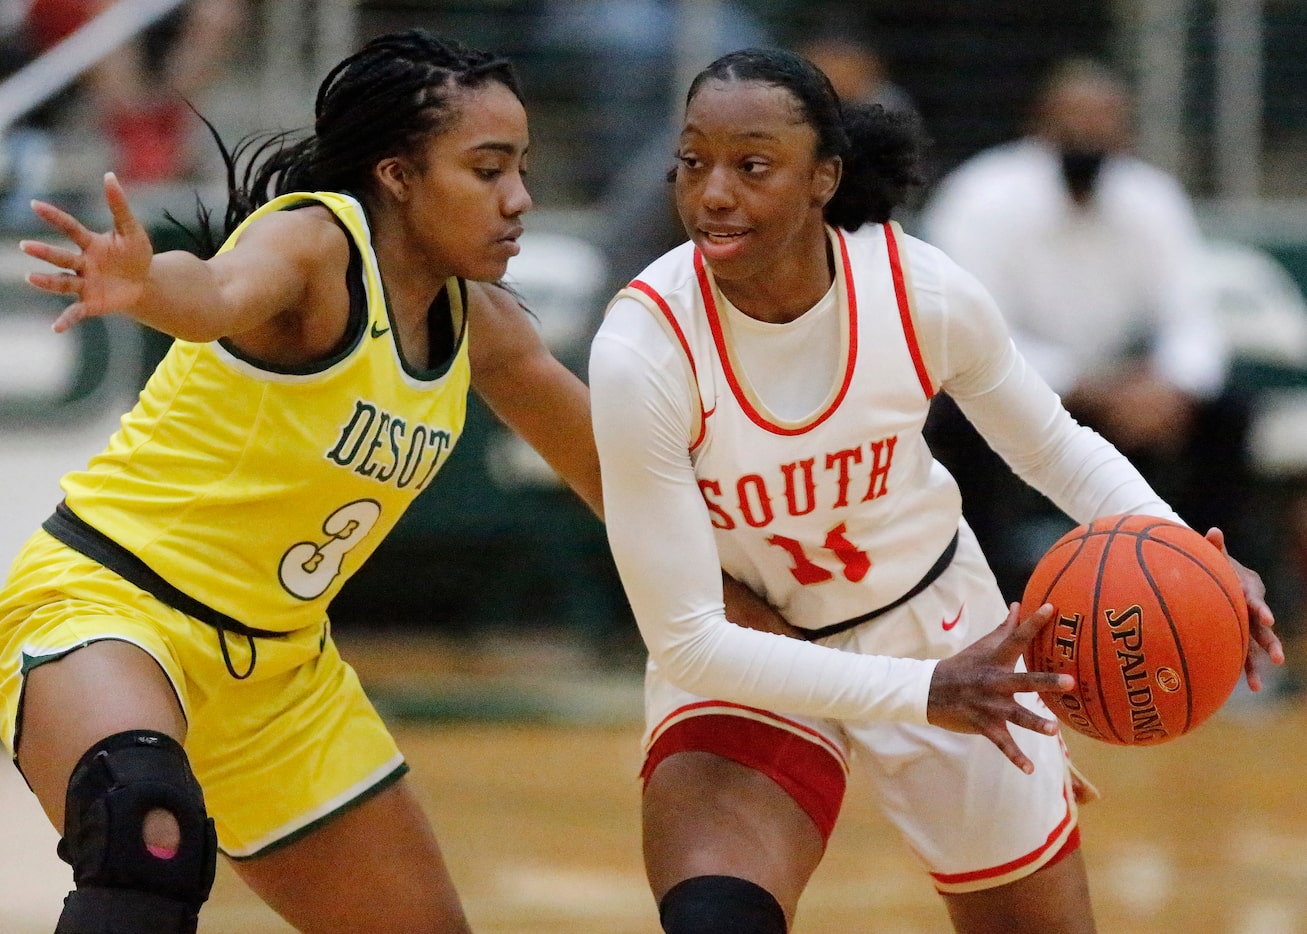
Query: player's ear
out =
(394, 175)
(826, 179)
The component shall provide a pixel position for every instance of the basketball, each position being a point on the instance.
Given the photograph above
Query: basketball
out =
(1150, 621)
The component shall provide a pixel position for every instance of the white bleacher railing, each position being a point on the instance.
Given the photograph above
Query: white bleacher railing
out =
(44, 77)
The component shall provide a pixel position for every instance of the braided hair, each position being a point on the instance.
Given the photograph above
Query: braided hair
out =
(881, 151)
(388, 98)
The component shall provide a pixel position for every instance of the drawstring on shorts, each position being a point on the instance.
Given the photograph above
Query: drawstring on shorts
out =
(82, 537)
(226, 654)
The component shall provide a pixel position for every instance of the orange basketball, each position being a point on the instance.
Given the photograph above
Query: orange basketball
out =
(1151, 622)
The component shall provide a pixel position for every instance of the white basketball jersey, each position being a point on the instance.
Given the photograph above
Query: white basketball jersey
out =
(843, 511)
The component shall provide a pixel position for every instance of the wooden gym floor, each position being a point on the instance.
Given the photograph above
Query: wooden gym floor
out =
(528, 760)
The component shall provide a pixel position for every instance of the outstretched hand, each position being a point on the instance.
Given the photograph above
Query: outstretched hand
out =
(107, 272)
(972, 691)
(1262, 642)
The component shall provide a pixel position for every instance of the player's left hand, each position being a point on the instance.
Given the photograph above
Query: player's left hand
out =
(745, 608)
(1262, 642)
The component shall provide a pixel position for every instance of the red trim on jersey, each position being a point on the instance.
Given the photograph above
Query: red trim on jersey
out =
(1068, 846)
(719, 338)
(905, 311)
(853, 312)
(808, 772)
(685, 347)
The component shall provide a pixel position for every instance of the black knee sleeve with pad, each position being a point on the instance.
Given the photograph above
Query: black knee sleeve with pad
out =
(720, 905)
(123, 888)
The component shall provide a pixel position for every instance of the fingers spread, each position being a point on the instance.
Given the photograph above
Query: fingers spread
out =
(1251, 673)
(1265, 637)
(1013, 614)
(1217, 538)
(55, 256)
(61, 283)
(1032, 624)
(123, 219)
(1008, 746)
(71, 315)
(1029, 720)
(62, 221)
(1043, 682)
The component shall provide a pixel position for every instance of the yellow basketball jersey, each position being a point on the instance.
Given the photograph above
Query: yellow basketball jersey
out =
(258, 491)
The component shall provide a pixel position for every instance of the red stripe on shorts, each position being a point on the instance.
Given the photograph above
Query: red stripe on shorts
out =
(998, 872)
(808, 772)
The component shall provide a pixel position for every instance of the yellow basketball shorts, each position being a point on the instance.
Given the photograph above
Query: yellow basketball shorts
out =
(276, 753)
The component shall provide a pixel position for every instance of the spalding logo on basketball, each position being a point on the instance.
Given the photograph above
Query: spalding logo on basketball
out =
(1150, 621)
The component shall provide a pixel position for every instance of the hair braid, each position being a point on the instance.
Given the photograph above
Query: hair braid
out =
(386, 99)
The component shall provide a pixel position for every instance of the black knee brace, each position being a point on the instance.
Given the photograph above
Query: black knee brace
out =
(720, 905)
(121, 886)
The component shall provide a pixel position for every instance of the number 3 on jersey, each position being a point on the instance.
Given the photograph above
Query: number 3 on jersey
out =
(308, 568)
(806, 571)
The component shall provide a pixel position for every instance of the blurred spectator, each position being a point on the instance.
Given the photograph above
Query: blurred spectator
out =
(634, 54)
(625, 57)
(855, 66)
(840, 47)
(1093, 255)
(138, 91)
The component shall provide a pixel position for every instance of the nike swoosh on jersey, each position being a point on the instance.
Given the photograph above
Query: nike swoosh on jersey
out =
(950, 623)
(378, 333)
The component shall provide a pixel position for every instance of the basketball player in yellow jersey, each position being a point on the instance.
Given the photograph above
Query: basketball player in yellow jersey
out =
(168, 684)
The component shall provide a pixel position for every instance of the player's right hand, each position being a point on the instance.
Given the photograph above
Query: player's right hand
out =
(107, 271)
(973, 691)
(1262, 641)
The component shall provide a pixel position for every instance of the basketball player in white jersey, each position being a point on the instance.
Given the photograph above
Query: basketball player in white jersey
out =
(758, 397)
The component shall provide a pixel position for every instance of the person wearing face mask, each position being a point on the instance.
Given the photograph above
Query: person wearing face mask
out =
(1094, 256)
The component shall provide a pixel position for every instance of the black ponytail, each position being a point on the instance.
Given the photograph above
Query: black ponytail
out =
(387, 99)
(882, 165)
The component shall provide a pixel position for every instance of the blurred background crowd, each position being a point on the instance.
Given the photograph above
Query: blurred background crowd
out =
(1126, 176)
